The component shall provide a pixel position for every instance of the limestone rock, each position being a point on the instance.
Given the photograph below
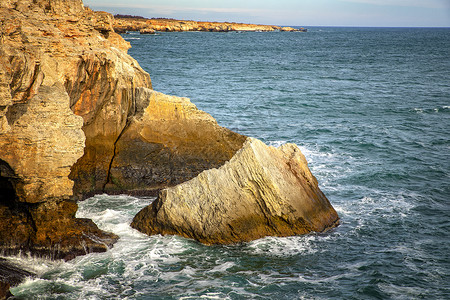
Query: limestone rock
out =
(44, 141)
(62, 70)
(36, 214)
(50, 42)
(168, 141)
(78, 117)
(261, 191)
(147, 31)
(128, 23)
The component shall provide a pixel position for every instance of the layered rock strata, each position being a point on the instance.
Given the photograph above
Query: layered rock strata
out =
(123, 24)
(261, 191)
(166, 142)
(78, 117)
(65, 79)
(36, 212)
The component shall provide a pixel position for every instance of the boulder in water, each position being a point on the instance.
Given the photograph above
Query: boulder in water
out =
(261, 191)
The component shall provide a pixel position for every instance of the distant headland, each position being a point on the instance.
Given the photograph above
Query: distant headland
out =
(125, 23)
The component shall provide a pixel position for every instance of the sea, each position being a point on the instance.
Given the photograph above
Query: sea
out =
(370, 110)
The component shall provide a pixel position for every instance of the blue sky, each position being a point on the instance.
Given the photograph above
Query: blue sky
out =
(403, 13)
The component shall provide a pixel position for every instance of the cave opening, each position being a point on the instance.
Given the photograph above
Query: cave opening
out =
(8, 181)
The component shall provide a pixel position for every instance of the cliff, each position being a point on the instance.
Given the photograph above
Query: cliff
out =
(74, 122)
(123, 24)
(261, 191)
(166, 142)
(47, 49)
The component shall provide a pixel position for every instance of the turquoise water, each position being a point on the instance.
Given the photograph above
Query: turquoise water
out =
(369, 108)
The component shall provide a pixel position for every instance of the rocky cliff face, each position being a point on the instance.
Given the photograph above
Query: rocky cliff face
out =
(261, 191)
(74, 122)
(63, 71)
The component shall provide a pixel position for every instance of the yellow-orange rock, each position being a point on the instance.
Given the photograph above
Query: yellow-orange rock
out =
(167, 142)
(123, 24)
(74, 121)
(63, 70)
(261, 191)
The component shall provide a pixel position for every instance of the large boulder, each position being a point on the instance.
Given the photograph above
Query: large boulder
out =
(261, 191)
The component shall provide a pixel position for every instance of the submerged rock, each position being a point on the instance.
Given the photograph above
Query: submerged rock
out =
(10, 276)
(261, 191)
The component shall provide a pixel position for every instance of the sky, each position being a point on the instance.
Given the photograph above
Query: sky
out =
(372, 13)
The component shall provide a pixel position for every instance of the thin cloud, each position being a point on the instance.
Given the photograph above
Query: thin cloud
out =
(405, 3)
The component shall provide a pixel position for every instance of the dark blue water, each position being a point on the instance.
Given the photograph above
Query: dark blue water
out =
(370, 109)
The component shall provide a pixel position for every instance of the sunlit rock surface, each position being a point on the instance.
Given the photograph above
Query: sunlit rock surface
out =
(62, 71)
(129, 23)
(261, 191)
(168, 141)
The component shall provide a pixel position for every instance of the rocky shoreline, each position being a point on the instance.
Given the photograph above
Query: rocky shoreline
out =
(124, 23)
(78, 116)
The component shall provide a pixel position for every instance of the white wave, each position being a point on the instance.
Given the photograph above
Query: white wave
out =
(206, 296)
(401, 292)
(342, 210)
(35, 265)
(136, 257)
(282, 246)
(131, 38)
(222, 268)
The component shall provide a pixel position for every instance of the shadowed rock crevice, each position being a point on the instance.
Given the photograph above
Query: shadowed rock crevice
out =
(8, 182)
(108, 176)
